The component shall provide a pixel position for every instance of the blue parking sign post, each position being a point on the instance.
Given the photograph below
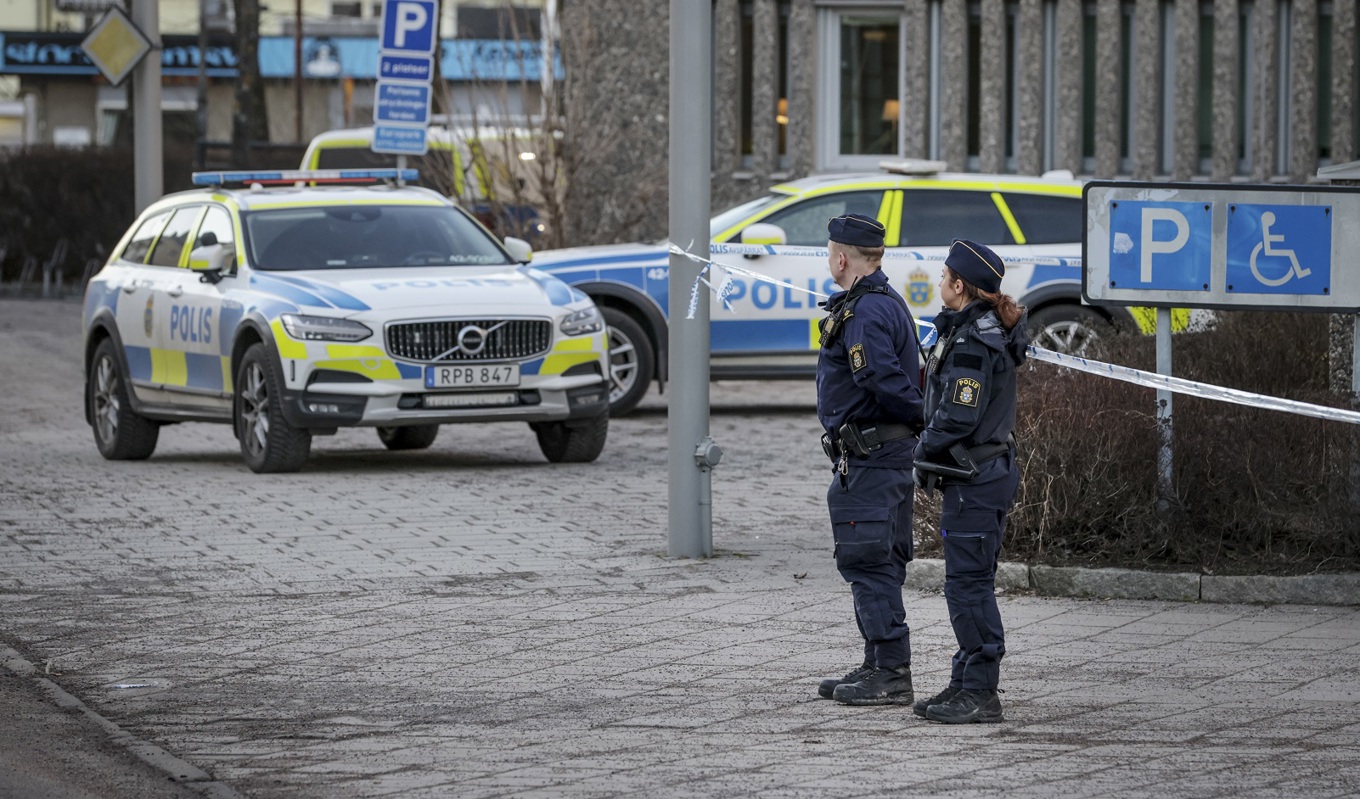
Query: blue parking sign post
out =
(401, 101)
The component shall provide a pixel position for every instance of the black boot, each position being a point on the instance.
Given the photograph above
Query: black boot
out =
(968, 707)
(878, 687)
(828, 686)
(938, 699)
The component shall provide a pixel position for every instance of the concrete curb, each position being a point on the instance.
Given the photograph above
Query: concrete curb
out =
(1312, 589)
(175, 769)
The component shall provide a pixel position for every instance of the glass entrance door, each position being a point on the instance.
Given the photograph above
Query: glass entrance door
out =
(862, 94)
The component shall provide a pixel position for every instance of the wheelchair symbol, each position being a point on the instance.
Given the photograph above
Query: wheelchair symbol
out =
(1267, 242)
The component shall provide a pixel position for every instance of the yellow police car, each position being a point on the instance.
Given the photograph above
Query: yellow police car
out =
(769, 330)
(292, 303)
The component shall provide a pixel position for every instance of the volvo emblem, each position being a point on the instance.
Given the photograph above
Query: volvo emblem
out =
(472, 339)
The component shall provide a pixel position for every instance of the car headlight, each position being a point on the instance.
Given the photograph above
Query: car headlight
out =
(579, 323)
(323, 328)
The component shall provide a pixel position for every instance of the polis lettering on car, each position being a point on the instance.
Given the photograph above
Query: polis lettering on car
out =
(790, 300)
(191, 324)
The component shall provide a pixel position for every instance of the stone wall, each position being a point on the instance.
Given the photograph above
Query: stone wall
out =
(616, 53)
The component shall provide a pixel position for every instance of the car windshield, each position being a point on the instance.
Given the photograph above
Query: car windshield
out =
(732, 216)
(367, 237)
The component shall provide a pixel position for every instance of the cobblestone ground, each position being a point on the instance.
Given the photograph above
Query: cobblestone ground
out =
(473, 621)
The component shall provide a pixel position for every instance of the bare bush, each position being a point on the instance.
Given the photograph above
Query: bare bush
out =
(1257, 491)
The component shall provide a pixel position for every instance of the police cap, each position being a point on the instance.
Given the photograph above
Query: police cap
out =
(977, 264)
(856, 229)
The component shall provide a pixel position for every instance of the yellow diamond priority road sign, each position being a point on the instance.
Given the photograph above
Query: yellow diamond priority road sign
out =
(115, 45)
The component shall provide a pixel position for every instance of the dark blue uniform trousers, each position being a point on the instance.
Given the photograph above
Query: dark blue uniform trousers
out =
(871, 525)
(973, 527)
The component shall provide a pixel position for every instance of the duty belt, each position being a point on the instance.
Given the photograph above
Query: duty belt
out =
(861, 439)
(967, 460)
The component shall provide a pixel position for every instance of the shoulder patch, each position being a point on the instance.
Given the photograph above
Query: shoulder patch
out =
(968, 360)
(857, 361)
(966, 391)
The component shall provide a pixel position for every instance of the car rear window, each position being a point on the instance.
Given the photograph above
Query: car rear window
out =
(142, 240)
(367, 236)
(935, 217)
(1047, 219)
(804, 223)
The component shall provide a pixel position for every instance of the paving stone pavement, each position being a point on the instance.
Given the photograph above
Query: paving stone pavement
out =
(471, 621)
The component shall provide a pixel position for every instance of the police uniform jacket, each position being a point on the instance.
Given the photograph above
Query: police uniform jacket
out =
(868, 371)
(970, 386)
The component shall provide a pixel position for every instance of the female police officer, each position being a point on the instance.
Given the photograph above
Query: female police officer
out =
(967, 449)
(869, 404)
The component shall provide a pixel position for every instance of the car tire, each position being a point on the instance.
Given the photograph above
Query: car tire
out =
(576, 441)
(416, 436)
(632, 361)
(119, 432)
(1069, 329)
(268, 443)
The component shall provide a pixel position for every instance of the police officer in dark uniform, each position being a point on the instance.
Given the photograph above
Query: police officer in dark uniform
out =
(967, 450)
(869, 402)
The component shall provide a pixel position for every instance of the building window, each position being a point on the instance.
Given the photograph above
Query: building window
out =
(504, 21)
(347, 9)
(868, 85)
(862, 91)
(749, 42)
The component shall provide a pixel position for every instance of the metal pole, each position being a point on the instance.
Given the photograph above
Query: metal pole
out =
(691, 91)
(1165, 490)
(297, 69)
(148, 184)
(1355, 358)
(1354, 481)
(201, 115)
(548, 75)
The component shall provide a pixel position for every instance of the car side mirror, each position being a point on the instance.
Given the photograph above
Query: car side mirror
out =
(519, 249)
(208, 260)
(764, 233)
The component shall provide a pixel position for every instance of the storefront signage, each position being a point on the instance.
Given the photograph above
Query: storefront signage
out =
(60, 54)
(332, 57)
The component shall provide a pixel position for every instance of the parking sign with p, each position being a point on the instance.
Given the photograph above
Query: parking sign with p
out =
(409, 26)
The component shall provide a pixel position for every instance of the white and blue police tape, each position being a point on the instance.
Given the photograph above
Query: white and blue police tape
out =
(725, 286)
(1127, 374)
(1183, 386)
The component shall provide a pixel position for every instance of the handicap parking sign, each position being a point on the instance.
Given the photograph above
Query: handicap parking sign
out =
(1279, 249)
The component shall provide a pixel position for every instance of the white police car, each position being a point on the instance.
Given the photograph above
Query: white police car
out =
(771, 330)
(298, 308)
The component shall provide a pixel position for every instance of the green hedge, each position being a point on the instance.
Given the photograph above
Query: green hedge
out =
(86, 196)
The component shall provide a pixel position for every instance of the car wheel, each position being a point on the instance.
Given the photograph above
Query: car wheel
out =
(632, 363)
(268, 443)
(416, 436)
(576, 441)
(119, 432)
(1069, 329)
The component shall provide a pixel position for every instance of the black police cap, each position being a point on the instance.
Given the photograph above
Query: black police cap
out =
(856, 229)
(977, 264)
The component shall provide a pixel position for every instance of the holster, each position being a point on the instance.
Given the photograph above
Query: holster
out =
(862, 439)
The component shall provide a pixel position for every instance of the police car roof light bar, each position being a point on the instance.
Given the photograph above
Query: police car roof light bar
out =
(278, 176)
(913, 166)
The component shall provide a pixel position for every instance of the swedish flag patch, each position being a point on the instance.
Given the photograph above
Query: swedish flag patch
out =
(966, 391)
(857, 361)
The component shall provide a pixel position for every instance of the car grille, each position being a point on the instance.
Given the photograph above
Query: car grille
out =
(438, 342)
